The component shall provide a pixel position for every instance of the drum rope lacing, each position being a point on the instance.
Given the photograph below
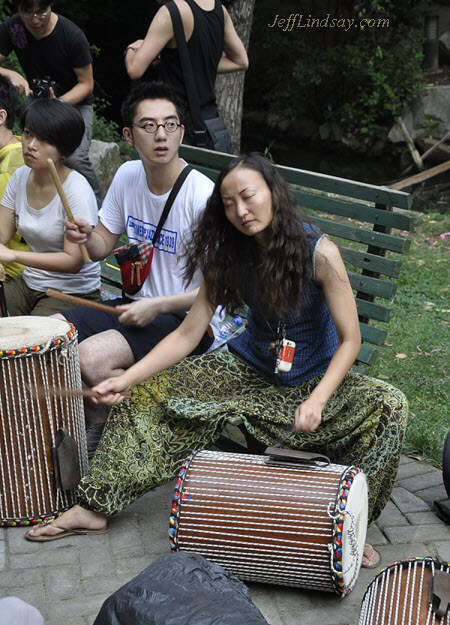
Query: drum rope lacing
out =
(382, 588)
(22, 412)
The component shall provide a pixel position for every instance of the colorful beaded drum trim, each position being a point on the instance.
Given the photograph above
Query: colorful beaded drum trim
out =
(177, 500)
(341, 505)
(32, 349)
(31, 520)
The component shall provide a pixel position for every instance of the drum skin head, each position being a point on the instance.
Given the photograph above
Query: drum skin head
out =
(357, 510)
(18, 332)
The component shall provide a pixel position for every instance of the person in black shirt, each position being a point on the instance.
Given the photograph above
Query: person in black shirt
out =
(213, 44)
(51, 47)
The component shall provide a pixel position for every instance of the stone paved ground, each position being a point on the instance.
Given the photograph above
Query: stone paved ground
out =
(68, 580)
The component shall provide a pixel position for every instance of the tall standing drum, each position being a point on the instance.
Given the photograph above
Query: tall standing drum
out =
(415, 591)
(289, 519)
(42, 436)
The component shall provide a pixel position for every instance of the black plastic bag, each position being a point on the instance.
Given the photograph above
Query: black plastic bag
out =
(181, 589)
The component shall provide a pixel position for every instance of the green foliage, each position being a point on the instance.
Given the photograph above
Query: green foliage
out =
(415, 358)
(104, 129)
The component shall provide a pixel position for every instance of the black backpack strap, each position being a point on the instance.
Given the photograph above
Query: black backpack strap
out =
(170, 200)
(201, 136)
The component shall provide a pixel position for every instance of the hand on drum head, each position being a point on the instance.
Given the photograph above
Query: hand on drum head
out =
(308, 415)
(111, 391)
(78, 230)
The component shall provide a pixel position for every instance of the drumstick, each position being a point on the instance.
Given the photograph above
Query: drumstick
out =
(65, 203)
(79, 301)
(41, 391)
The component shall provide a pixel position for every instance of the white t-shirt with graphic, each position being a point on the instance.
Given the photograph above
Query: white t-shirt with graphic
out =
(43, 230)
(131, 207)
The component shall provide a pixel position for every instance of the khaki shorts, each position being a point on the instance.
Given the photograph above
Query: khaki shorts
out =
(21, 300)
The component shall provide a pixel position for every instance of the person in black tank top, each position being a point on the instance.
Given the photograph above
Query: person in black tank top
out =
(210, 33)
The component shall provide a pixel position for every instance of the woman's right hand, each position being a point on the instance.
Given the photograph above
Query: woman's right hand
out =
(111, 391)
(78, 230)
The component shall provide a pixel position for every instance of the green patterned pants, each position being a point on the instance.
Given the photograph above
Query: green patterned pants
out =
(147, 438)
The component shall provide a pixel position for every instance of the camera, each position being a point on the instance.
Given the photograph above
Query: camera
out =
(41, 87)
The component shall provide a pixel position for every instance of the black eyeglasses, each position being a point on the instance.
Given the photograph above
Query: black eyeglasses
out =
(152, 127)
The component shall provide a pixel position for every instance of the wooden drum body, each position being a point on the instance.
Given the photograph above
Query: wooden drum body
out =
(37, 356)
(273, 520)
(414, 592)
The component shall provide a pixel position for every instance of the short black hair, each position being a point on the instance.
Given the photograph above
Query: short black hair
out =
(153, 90)
(59, 123)
(29, 5)
(8, 100)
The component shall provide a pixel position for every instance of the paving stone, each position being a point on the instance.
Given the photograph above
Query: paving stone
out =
(443, 550)
(407, 460)
(41, 558)
(419, 533)
(290, 599)
(422, 481)
(375, 536)
(391, 516)
(95, 562)
(89, 620)
(423, 518)
(407, 502)
(330, 616)
(434, 493)
(11, 579)
(73, 621)
(134, 566)
(266, 605)
(17, 542)
(412, 469)
(79, 607)
(2, 555)
(105, 584)
(62, 582)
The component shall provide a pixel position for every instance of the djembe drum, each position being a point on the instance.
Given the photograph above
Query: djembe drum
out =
(273, 519)
(414, 592)
(42, 438)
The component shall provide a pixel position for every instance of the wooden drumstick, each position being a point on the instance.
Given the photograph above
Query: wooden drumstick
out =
(41, 391)
(65, 203)
(79, 301)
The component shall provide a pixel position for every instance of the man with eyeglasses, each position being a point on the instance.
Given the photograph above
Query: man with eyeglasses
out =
(53, 50)
(133, 205)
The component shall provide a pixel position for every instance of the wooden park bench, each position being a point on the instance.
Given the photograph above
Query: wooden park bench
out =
(369, 223)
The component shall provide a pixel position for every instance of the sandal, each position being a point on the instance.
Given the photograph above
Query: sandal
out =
(65, 532)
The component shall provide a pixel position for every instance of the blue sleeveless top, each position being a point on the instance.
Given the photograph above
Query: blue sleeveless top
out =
(313, 331)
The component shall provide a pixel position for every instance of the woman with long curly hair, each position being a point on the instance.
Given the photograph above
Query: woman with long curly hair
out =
(252, 248)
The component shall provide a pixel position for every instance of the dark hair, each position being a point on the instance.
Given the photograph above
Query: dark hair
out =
(58, 123)
(147, 91)
(282, 266)
(8, 100)
(28, 5)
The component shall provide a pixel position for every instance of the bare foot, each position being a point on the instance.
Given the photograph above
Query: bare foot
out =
(371, 557)
(76, 518)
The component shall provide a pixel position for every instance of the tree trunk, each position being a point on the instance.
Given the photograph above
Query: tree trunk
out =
(230, 87)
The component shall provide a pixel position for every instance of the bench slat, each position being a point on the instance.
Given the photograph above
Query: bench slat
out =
(367, 354)
(372, 334)
(371, 262)
(361, 235)
(372, 311)
(372, 286)
(353, 210)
